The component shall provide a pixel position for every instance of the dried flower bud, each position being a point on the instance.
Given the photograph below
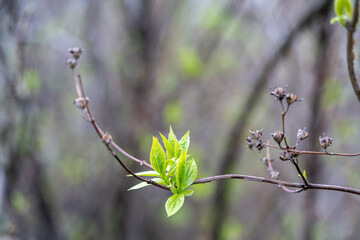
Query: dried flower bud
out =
(76, 52)
(256, 134)
(278, 136)
(249, 143)
(259, 145)
(325, 142)
(284, 156)
(291, 98)
(279, 93)
(80, 102)
(302, 134)
(71, 63)
(275, 175)
(106, 138)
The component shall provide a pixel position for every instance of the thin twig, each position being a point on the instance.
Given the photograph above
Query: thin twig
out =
(80, 88)
(271, 169)
(300, 152)
(294, 161)
(351, 28)
(277, 182)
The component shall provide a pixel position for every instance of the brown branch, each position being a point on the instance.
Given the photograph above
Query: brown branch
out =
(300, 173)
(277, 182)
(351, 28)
(100, 133)
(300, 152)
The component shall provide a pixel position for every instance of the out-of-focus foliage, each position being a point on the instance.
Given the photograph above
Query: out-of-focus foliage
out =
(148, 64)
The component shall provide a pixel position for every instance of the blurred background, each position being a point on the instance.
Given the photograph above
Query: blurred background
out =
(202, 65)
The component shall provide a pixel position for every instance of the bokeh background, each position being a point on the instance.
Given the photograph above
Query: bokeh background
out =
(202, 65)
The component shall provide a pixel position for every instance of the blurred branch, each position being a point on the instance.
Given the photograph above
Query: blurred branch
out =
(350, 56)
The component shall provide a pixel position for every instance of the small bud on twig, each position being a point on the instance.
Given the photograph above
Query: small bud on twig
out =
(278, 136)
(302, 134)
(76, 52)
(81, 103)
(325, 142)
(71, 63)
(106, 138)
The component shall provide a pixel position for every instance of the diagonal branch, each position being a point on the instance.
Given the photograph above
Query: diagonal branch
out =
(350, 56)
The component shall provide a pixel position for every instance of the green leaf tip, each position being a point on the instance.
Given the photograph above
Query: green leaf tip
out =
(343, 10)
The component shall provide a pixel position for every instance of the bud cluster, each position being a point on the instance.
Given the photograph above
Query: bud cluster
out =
(255, 135)
(281, 92)
(76, 53)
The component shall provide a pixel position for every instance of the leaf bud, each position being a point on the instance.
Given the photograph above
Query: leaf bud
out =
(106, 138)
(80, 102)
(278, 136)
(302, 134)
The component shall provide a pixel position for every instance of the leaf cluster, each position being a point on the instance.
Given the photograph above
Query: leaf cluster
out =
(343, 10)
(172, 168)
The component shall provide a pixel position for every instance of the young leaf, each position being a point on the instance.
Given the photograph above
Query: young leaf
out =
(172, 138)
(145, 184)
(185, 142)
(341, 7)
(177, 149)
(158, 157)
(170, 152)
(174, 203)
(146, 174)
(187, 193)
(181, 172)
(191, 173)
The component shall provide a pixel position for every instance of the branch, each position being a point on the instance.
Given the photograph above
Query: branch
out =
(350, 56)
(278, 182)
(300, 152)
(100, 133)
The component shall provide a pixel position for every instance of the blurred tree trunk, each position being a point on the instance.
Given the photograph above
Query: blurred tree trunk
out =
(317, 119)
(232, 149)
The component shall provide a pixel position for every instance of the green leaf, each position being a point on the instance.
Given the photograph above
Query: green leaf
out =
(146, 174)
(187, 193)
(173, 190)
(191, 173)
(158, 157)
(145, 184)
(343, 7)
(177, 149)
(304, 174)
(174, 203)
(170, 152)
(185, 142)
(181, 172)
